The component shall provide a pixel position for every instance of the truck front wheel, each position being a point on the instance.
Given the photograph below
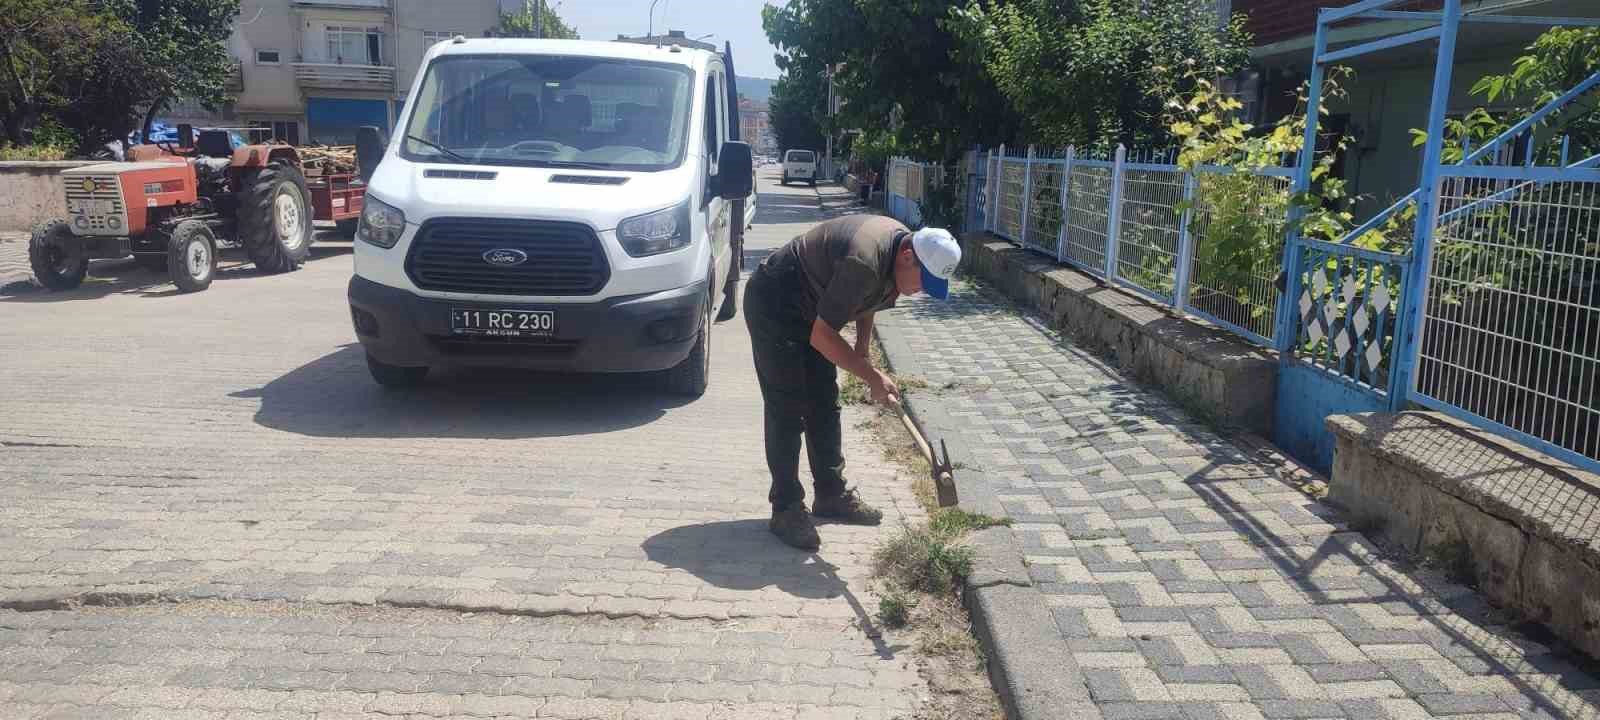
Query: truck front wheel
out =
(57, 256)
(691, 377)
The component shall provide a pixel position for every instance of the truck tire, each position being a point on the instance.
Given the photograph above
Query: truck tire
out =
(57, 256)
(395, 376)
(192, 256)
(691, 377)
(275, 218)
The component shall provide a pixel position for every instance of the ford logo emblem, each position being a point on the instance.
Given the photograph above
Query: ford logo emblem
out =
(505, 257)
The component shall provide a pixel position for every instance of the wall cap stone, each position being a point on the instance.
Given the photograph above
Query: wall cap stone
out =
(1541, 495)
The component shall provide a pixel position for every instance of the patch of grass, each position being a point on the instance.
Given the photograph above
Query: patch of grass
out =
(921, 559)
(956, 522)
(894, 610)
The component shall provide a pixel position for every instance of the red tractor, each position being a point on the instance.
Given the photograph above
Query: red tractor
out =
(172, 208)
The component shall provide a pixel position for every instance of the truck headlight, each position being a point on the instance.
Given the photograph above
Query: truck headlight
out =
(381, 223)
(657, 232)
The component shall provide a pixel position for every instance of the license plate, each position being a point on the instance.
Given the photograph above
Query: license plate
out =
(95, 207)
(507, 323)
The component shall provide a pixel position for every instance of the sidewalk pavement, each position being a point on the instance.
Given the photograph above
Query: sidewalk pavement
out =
(1191, 575)
(14, 258)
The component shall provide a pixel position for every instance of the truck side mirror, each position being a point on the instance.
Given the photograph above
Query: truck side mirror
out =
(735, 173)
(369, 150)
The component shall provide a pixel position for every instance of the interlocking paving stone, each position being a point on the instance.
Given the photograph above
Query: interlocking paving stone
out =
(1243, 597)
(227, 451)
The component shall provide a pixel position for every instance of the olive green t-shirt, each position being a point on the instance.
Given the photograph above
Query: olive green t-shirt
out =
(848, 265)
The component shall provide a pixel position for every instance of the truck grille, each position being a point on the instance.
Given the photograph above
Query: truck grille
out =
(563, 258)
(92, 204)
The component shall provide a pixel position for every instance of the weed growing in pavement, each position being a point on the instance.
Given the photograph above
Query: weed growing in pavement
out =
(956, 521)
(894, 610)
(921, 559)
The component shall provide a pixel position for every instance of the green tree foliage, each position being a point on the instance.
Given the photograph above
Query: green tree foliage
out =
(184, 44)
(91, 65)
(1555, 63)
(521, 25)
(70, 73)
(1097, 72)
(795, 110)
(897, 58)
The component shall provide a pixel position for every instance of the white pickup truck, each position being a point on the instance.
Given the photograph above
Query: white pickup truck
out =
(554, 204)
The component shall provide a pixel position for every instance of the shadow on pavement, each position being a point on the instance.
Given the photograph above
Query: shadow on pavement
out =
(125, 276)
(743, 555)
(333, 396)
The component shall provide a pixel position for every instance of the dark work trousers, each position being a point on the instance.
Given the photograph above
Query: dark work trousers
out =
(799, 389)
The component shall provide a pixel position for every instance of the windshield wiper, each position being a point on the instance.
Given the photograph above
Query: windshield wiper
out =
(458, 157)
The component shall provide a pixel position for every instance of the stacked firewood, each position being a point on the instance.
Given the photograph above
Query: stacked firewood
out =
(328, 159)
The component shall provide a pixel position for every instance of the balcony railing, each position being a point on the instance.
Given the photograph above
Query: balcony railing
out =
(344, 77)
(375, 4)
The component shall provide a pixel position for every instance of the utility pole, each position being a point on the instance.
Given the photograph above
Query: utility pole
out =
(827, 163)
(537, 8)
(650, 30)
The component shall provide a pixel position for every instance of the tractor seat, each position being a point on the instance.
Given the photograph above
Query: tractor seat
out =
(214, 143)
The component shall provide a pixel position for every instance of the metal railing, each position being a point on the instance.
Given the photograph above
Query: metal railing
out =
(1118, 216)
(340, 76)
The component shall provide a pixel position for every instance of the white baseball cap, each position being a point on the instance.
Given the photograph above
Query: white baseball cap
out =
(938, 253)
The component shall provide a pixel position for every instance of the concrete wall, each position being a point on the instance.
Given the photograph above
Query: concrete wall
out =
(296, 31)
(1204, 368)
(465, 17)
(1521, 526)
(31, 193)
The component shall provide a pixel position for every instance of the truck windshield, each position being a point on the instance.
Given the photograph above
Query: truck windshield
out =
(550, 111)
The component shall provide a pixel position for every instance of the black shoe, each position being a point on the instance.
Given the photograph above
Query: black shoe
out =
(847, 507)
(793, 526)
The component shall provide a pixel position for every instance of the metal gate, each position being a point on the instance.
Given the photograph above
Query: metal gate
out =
(1349, 330)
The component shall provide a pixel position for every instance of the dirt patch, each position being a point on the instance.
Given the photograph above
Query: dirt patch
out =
(948, 657)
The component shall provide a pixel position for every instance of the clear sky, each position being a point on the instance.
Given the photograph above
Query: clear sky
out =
(735, 21)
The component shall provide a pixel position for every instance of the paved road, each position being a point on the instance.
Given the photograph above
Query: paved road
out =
(1188, 577)
(295, 541)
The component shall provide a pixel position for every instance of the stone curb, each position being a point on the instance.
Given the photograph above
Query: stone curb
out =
(1029, 663)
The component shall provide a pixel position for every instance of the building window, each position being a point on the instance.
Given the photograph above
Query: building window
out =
(361, 46)
(287, 131)
(430, 37)
(268, 57)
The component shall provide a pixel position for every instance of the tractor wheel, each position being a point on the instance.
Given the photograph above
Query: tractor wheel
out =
(347, 228)
(275, 218)
(192, 256)
(153, 263)
(57, 256)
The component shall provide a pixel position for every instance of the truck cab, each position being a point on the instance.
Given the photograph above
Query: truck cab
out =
(555, 205)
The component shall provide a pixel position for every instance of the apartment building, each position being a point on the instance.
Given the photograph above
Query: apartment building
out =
(315, 70)
(755, 126)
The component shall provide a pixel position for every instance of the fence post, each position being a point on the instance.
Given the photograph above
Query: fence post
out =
(1066, 203)
(999, 189)
(1114, 214)
(1180, 283)
(1027, 199)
